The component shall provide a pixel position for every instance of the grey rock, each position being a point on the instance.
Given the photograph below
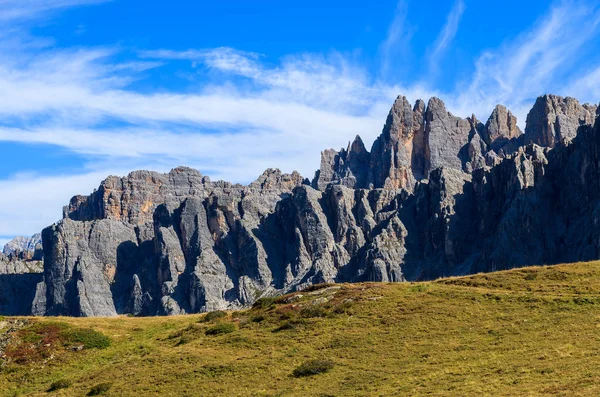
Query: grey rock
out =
(554, 118)
(446, 135)
(25, 248)
(403, 138)
(500, 128)
(18, 283)
(348, 167)
(436, 196)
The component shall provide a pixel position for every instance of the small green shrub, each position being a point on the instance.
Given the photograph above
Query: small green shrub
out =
(89, 338)
(290, 325)
(257, 319)
(313, 312)
(264, 303)
(313, 367)
(214, 371)
(99, 389)
(317, 287)
(531, 276)
(418, 288)
(220, 329)
(184, 340)
(344, 308)
(60, 384)
(212, 316)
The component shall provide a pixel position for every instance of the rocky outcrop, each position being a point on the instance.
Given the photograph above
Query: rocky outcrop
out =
(348, 166)
(20, 282)
(220, 250)
(25, 248)
(417, 140)
(500, 129)
(436, 196)
(554, 119)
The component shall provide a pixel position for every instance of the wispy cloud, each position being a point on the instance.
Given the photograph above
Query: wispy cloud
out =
(446, 35)
(397, 41)
(31, 202)
(543, 59)
(14, 10)
(258, 113)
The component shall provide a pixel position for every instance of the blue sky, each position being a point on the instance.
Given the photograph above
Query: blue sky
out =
(90, 88)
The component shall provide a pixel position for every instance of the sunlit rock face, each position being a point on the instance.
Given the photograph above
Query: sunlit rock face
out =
(437, 195)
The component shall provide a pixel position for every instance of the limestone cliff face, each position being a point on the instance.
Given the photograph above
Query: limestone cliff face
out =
(24, 248)
(436, 196)
(554, 118)
(417, 140)
(20, 282)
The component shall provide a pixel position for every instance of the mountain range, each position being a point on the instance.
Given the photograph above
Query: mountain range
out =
(436, 195)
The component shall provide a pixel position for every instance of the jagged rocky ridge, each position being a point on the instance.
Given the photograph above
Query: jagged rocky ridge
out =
(436, 195)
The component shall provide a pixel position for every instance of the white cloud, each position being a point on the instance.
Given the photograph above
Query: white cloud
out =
(11, 10)
(30, 202)
(396, 43)
(259, 113)
(540, 60)
(446, 35)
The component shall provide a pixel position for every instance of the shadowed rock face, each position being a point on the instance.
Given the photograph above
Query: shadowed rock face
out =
(436, 196)
(20, 281)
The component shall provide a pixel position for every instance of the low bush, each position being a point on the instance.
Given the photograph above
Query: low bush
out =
(184, 340)
(220, 329)
(257, 319)
(313, 312)
(344, 308)
(317, 287)
(89, 338)
(264, 303)
(290, 325)
(99, 389)
(212, 316)
(60, 384)
(531, 276)
(313, 367)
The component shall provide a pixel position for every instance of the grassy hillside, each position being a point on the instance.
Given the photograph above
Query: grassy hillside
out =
(533, 331)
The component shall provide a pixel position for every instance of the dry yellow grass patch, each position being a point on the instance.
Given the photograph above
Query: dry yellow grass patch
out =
(524, 332)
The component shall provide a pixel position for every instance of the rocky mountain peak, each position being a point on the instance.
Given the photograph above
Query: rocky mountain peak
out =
(436, 195)
(24, 248)
(554, 118)
(273, 178)
(500, 128)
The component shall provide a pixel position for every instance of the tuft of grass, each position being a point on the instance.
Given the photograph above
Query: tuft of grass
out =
(344, 308)
(60, 384)
(264, 303)
(313, 311)
(313, 367)
(220, 329)
(257, 319)
(291, 325)
(99, 389)
(212, 316)
(214, 371)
